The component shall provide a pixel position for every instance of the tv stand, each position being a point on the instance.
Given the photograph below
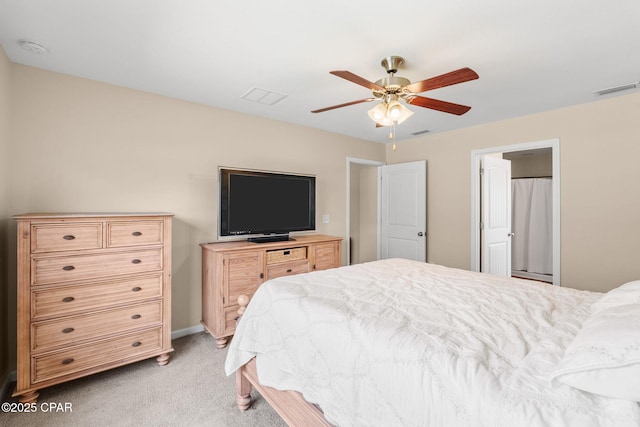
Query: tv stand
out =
(270, 238)
(234, 268)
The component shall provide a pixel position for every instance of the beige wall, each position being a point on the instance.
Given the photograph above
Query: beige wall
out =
(368, 200)
(5, 213)
(363, 213)
(79, 145)
(354, 213)
(600, 184)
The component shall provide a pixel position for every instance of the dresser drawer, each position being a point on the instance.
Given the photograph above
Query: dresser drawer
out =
(282, 255)
(68, 300)
(93, 356)
(75, 329)
(65, 237)
(82, 267)
(287, 268)
(134, 233)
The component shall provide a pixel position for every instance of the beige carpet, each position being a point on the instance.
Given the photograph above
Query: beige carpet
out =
(192, 390)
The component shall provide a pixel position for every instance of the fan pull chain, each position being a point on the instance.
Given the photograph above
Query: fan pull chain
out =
(392, 135)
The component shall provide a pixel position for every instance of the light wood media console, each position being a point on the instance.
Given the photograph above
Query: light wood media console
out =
(231, 269)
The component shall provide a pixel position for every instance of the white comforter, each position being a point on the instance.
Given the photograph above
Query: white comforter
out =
(402, 343)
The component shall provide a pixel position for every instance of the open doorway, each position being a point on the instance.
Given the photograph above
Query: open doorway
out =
(516, 151)
(386, 210)
(532, 214)
(362, 210)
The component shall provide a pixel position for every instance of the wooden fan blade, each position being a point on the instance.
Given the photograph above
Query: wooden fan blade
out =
(454, 77)
(435, 104)
(346, 104)
(348, 75)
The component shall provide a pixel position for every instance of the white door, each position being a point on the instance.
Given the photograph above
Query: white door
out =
(403, 211)
(495, 213)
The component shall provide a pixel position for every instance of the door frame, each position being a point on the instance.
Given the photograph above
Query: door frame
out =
(554, 144)
(366, 162)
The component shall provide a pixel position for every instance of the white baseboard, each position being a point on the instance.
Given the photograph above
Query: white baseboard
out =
(186, 331)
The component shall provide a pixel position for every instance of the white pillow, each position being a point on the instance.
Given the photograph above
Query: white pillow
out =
(629, 293)
(604, 357)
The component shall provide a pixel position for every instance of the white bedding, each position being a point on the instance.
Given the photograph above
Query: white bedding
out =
(402, 343)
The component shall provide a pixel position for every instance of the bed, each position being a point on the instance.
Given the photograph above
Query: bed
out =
(402, 343)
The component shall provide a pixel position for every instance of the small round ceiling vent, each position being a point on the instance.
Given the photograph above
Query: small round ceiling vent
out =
(32, 47)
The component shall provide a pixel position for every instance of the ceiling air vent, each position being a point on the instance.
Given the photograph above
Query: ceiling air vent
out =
(263, 96)
(420, 132)
(615, 89)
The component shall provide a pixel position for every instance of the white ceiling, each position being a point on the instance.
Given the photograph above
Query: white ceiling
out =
(531, 56)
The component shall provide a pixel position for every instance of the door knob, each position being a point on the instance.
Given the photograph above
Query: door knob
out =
(420, 233)
(511, 234)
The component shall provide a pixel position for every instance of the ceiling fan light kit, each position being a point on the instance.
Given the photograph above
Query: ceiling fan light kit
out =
(389, 113)
(393, 89)
(379, 114)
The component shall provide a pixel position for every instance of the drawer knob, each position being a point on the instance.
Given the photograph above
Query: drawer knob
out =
(68, 299)
(136, 316)
(136, 233)
(136, 344)
(136, 261)
(67, 330)
(136, 289)
(67, 361)
(68, 237)
(68, 268)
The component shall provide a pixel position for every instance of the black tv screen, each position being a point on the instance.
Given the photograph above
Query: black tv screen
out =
(265, 203)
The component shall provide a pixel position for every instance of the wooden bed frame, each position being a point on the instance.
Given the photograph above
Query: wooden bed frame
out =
(289, 404)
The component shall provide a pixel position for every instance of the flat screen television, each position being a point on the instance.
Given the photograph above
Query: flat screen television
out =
(265, 206)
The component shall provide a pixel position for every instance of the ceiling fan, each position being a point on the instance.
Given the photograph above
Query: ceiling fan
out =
(393, 89)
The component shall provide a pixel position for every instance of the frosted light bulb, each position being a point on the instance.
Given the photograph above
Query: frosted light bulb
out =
(394, 112)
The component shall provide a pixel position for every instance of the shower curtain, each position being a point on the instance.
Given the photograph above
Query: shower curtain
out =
(531, 245)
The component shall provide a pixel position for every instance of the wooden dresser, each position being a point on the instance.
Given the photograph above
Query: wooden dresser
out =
(231, 269)
(94, 293)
